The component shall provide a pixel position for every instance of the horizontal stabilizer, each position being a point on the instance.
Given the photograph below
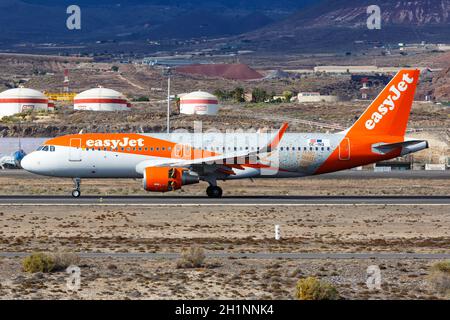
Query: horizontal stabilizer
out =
(408, 146)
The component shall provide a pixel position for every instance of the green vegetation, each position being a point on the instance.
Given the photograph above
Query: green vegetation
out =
(49, 262)
(260, 95)
(38, 262)
(313, 289)
(288, 95)
(141, 99)
(193, 257)
(237, 94)
(115, 68)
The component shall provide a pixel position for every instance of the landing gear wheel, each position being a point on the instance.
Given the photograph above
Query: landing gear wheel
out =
(76, 193)
(214, 192)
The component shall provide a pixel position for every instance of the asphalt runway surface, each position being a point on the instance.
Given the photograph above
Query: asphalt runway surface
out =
(229, 201)
(347, 174)
(261, 256)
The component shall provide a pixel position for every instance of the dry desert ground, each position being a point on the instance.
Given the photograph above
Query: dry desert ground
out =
(230, 229)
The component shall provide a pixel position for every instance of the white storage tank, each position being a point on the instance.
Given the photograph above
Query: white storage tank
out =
(101, 99)
(19, 100)
(199, 102)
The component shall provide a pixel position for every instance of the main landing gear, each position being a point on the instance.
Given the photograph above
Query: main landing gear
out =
(76, 193)
(214, 192)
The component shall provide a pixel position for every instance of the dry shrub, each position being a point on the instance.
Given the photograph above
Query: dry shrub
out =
(38, 262)
(442, 266)
(65, 259)
(313, 289)
(193, 257)
(439, 277)
(49, 262)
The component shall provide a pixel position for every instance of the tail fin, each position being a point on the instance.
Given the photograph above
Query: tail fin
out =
(389, 112)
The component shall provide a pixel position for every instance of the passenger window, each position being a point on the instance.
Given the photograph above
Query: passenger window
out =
(323, 148)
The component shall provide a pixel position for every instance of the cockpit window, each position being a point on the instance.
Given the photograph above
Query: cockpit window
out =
(47, 148)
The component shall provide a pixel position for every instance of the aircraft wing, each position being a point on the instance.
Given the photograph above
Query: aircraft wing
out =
(221, 161)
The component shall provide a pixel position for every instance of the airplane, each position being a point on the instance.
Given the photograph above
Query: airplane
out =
(12, 161)
(167, 162)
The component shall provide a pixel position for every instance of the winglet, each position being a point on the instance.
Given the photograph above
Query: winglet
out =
(274, 144)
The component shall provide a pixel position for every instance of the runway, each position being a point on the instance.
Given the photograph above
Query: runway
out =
(225, 201)
(346, 174)
(260, 256)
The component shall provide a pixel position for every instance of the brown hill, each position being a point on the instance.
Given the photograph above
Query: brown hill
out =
(227, 71)
(337, 24)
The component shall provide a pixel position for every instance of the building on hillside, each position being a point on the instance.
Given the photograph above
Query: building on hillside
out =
(315, 97)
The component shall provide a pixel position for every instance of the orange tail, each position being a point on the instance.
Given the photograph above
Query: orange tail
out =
(389, 112)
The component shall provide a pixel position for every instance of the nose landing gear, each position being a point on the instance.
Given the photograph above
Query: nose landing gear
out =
(76, 193)
(214, 192)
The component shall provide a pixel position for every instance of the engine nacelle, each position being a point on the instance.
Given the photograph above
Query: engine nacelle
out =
(164, 179)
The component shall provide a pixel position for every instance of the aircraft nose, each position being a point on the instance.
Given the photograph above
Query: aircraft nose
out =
(29, 163)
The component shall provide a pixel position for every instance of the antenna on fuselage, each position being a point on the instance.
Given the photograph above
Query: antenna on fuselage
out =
(81, 131)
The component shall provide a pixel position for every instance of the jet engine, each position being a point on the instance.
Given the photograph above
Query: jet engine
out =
(164, 179)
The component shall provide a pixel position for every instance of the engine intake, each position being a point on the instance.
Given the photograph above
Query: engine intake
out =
(164, 179)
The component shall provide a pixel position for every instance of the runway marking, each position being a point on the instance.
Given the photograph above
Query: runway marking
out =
(260, 255)
(218, 204)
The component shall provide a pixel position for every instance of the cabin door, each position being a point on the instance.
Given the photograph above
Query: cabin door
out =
(344, 149)
(75, 150)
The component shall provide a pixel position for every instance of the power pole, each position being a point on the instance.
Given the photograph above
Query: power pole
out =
(168, 100)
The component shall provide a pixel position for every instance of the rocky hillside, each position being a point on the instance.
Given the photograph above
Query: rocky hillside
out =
(338, 24)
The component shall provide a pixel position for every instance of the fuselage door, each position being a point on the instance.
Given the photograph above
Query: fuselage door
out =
(344, 149)
(75, 150)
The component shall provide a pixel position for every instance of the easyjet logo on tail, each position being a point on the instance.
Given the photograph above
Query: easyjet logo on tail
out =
(125, 142)
(389, 103)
